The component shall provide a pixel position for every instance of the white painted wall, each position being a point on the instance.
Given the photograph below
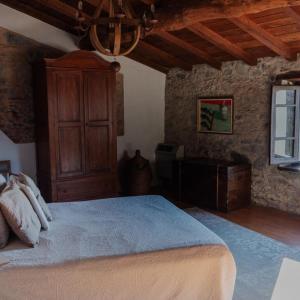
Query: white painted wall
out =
(22, 156)
(144, 95)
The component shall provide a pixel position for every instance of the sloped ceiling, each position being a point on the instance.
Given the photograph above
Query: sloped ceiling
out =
(195, 32)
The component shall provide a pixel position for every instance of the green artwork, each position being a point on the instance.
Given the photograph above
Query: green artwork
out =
(215, 115)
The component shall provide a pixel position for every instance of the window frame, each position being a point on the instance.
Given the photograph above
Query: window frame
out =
(296, 157)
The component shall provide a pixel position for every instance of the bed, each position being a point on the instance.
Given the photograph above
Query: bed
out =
(123, 248)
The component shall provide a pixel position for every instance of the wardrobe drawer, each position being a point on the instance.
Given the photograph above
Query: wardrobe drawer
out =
(86, 189)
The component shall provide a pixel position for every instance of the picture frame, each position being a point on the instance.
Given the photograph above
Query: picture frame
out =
(215, 115)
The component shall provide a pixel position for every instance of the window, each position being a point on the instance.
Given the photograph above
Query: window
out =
(285, 124)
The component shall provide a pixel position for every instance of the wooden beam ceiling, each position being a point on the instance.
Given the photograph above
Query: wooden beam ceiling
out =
(215, 44)
(222, 43)
(267, 39)
(189, 48)
(175, 15)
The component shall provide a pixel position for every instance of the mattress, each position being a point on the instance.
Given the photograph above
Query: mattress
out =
(121, 248)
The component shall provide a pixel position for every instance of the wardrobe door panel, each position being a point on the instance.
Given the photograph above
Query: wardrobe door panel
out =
(68, 96)
(100, 136)
(70, 160)
(97, 96)
(97, 149)
(69, 123)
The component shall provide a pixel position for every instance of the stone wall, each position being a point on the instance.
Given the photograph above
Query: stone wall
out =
(251, 89)
(17, 55)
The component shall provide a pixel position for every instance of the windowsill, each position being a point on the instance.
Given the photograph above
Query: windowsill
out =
(293, 167)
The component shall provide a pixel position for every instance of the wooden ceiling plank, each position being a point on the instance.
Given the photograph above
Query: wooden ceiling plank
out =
(148, 62)
(291, 12)
(263, 36)
(175, 15)
(62, 8)
(165, 56)
(190, 48)
(149, 2)
(87, 8)
(38, 14)
(222, 43)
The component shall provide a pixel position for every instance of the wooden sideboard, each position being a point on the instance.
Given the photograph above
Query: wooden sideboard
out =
(214, 184)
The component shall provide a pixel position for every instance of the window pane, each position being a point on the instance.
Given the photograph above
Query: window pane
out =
(285, 122)
(284, 148)
(285, 97)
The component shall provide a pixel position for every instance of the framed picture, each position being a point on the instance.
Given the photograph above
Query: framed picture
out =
(215, 115)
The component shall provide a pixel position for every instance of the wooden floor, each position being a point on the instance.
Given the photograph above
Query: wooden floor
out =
(279, 225)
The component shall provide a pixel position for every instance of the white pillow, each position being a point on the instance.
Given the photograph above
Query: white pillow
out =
(35, 205)
(23, 178)
(20, 215)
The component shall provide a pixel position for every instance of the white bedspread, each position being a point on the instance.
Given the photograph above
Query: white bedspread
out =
(123, 248)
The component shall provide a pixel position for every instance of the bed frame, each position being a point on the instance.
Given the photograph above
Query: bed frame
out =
(5, 168)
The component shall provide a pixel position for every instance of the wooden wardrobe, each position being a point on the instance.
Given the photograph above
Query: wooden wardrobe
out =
(76, 127)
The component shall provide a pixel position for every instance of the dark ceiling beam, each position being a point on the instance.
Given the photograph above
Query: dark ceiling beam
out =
(38, 14)
(187, 47)
(263, 36)
(222, 43)
(88, 8)
(149, 2)
(148, 54)
(140, 57)
(62, 7)
(175, 15)
(164, 56)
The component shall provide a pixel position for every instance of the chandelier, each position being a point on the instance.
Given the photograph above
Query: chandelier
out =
(114, 30)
